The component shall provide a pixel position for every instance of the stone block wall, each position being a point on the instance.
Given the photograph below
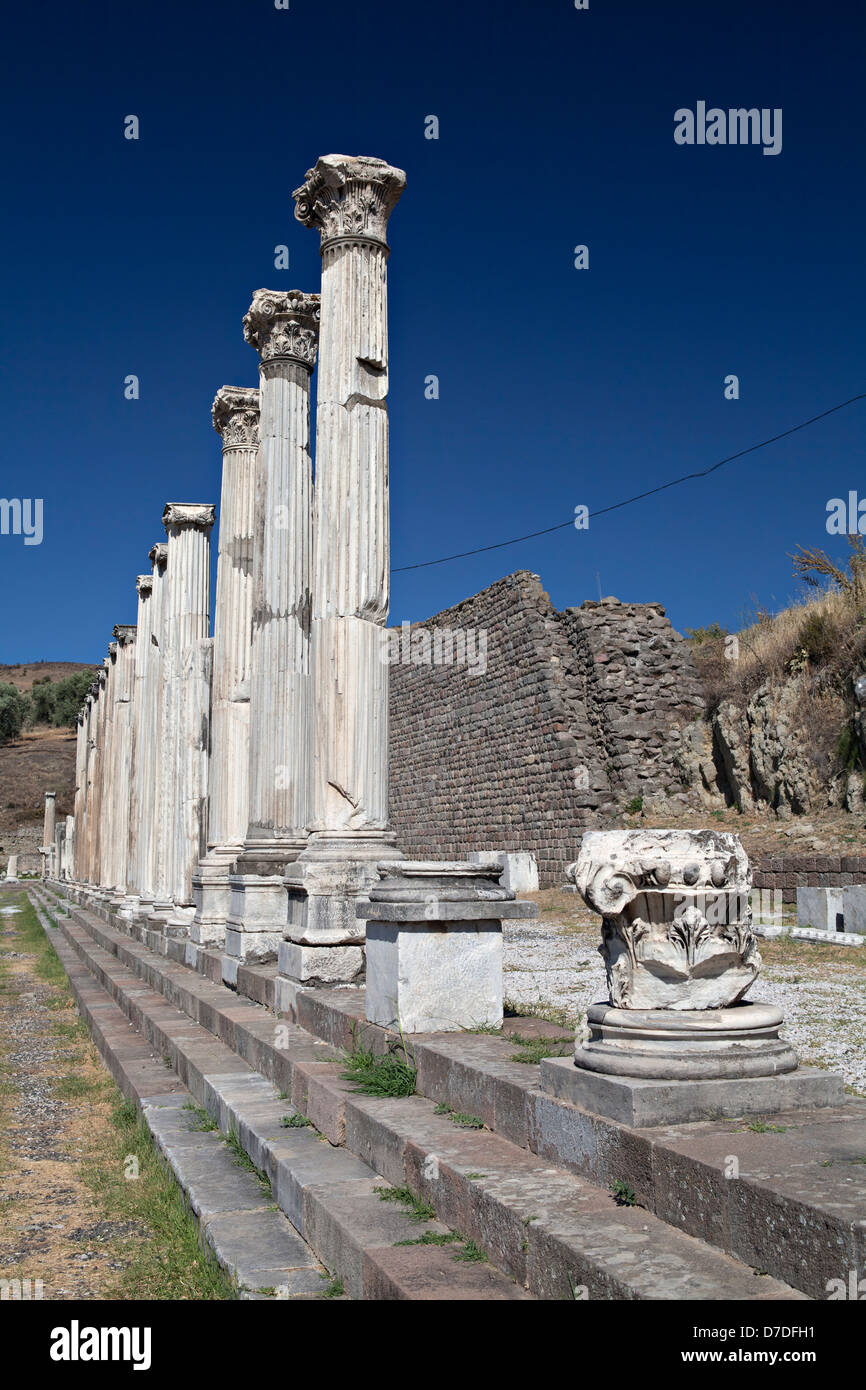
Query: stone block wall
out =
(789, 872)
(569, 716)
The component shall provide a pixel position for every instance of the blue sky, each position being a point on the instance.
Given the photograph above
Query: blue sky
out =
(558, 387)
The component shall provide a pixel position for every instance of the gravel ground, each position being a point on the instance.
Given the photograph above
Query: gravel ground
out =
(554, 968)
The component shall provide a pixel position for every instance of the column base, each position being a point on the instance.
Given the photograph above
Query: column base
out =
(159, 914)
(257, 917)
(324, 966)
(179, 922)
(641, 1103)
(211, 890)
(646, 1067)
(434, 946)
(685, 1044)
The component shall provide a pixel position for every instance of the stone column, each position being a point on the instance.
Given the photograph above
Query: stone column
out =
(67, 867)
(48, 825)
(82, 719)
(349, 200)
(138, 756)
(12, 869)
(283, 328)
(151, 851)
(87, 849)
(102, 780)
(121, 758)
(236, 419)
(185, 707)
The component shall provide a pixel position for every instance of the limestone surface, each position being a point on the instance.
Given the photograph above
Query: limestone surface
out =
(677, 926)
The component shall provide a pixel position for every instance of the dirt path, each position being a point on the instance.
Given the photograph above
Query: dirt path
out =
(50, 1227)
(70, 1213)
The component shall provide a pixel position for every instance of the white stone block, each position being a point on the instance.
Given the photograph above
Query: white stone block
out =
(821, 908)
(252, 946)
(320, 965)
(519, 868)
(434, 977)
(854, 908)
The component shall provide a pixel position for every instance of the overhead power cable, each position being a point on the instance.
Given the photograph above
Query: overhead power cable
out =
(615, 506)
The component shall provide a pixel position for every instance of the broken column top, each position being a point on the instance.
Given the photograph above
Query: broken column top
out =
(423, 890)
(284, 324)
(188, 514)
(235, 415)
(677, 930)
(349, 197)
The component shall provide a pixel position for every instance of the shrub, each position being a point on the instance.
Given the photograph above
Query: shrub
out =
(14, 708)
(69, 697)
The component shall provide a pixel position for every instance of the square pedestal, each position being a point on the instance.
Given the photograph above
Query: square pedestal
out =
(257, 917)
(434, 976)
(641, 1103)
(320, 965)
(821, 908)
(252, 947)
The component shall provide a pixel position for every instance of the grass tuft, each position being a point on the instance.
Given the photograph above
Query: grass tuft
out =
(623, 1194)
(416, 1207)
(388, 1074)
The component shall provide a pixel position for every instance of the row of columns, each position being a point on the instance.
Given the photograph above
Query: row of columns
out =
(236, 789)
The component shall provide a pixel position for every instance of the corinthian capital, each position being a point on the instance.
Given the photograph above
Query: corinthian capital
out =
(235, 415)
(144, 584)
(284, 324)
(181, 515)
(349, 196)
(158, 554)
(125, 632)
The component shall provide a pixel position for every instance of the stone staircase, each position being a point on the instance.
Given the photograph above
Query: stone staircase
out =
(531, 1190)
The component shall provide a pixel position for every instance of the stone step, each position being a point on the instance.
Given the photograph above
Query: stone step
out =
(784, 1192)
(787, 1195)
(255, 1244)
(330, 1200)
(549, 1229)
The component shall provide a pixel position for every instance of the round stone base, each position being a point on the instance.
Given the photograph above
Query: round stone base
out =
(667, 1044)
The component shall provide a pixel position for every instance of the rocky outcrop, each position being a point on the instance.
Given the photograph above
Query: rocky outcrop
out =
(767, 752)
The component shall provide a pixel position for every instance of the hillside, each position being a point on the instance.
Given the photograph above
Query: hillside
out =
(41, 759)
(788, 727)
(25, 675)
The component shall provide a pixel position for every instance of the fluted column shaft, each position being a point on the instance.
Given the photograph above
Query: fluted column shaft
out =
(76, 867)
(284, 330)
(349, 201)
(236, 419)
(141, 765)
(102, 748)
(48, 825)
(185, 700)
(152, 851)
(121, 756)
(88, 875)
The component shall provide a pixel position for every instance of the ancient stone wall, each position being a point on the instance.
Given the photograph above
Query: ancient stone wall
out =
(787, 873)
(548, 723)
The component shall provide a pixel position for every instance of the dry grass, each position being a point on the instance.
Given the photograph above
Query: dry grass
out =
(823, 637)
